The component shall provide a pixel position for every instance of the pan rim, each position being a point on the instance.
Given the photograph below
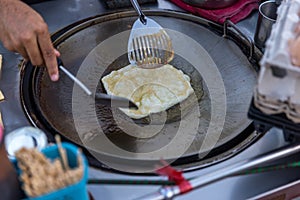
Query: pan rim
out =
(73, 28)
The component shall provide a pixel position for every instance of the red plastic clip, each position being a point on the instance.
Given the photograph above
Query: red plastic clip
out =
(174, 175)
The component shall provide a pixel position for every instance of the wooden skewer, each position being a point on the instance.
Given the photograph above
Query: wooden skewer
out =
(62, 153)
(79, 158)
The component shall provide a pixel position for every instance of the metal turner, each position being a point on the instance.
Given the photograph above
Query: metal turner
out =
(102, 98)
(149, 45)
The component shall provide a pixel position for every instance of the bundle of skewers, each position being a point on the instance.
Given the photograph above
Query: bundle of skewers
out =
(41, 175)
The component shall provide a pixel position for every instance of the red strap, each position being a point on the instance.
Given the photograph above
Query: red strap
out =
(236, 12)
(176, 176)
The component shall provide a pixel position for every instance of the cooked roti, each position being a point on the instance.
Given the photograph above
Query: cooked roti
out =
(152, 90)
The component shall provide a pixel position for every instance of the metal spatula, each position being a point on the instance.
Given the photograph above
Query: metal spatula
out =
(149, 45)
(102, 98)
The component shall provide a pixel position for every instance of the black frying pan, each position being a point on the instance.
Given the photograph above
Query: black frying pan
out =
(221, 75)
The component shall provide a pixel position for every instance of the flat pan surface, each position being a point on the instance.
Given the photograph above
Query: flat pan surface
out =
(97, 46)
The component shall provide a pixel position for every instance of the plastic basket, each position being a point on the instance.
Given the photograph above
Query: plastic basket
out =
(77, 191)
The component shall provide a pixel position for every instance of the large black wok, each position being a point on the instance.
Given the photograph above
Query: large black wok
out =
(214, 128)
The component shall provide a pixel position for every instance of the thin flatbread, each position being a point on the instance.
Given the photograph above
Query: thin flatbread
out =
(152, 90)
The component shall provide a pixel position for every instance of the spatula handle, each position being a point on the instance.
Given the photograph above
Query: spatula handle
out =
(71, 76)
(138, 9)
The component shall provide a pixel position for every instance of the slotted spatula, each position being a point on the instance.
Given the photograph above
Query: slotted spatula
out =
(149, 45)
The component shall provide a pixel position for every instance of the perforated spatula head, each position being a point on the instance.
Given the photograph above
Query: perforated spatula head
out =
(149, 45)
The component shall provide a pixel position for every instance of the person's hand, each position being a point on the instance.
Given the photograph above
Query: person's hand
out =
(294, 47)
(24, 31)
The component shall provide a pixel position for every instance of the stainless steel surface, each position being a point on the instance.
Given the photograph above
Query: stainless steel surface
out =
(58, 14)
(173, 191)
(210, 4)
(240, 187)
(266, 18)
